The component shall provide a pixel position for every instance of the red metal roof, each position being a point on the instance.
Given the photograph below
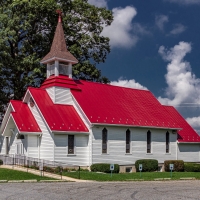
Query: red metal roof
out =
(58, 117)
(60, 81)
(23, 118)
(187, 134)
(107, 104)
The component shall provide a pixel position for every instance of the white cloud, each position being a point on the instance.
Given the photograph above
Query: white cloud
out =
(98, 3)
(160, 20)
(120, 31)
(138, 29)
(185, 2)
(178, 28)
(128, 83)
(194, 121)
(183, 86)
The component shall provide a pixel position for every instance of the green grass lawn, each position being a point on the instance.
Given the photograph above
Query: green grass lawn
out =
(131, 176)
(9, 174)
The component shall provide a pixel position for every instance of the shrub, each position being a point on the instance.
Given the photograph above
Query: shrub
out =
(178, 165)
(104, 167)
(48, 169)
(58, 169)
(1, 162)
(191, 167)
(148, 165)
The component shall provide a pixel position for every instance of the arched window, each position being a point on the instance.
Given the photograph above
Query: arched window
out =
(167, 142)
(104, 140)
(148, 141)
(128, 141)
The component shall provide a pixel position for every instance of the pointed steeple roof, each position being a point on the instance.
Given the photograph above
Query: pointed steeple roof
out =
(59, 49)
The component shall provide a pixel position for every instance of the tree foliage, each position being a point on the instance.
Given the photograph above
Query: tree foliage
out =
(26, 32)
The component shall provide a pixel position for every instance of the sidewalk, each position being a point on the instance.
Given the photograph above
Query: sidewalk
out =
(37, 172)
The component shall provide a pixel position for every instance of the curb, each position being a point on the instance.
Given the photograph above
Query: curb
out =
(53, 181)
(188, 178)
(3, 181)
(15, 181)
(30, 181)
(161, 179)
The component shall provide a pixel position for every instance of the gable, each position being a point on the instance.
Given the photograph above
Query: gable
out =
(59, 117)
(21, 117)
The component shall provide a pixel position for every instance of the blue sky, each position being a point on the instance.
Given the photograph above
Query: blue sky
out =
(155, 45)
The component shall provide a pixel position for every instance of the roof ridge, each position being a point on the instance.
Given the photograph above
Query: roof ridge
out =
(112, 85)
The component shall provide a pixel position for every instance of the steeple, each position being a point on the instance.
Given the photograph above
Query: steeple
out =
(59, 60)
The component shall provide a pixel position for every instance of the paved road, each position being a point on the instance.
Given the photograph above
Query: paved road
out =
(105, 190)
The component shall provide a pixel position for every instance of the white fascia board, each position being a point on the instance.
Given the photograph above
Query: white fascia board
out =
(89, 124)
(124, 125)
(188, 142)
(30, 133)
(26, 96)
(40, 112)
(6, 116)
(59, 59)
(70, 132)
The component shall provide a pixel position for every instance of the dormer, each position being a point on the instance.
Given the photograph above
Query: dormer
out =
(59, 60)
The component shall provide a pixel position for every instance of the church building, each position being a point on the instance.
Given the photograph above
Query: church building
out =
(81, 123)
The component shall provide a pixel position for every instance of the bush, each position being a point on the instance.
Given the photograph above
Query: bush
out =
(104, 167)
(48, 169)
(191, 167)
(178, 165)
(58, 169)
(1, 162)
(148, 165)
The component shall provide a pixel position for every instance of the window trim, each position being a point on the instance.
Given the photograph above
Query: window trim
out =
(104, 131)
(149, 142)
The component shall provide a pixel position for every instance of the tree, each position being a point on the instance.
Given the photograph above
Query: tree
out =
(26, 32)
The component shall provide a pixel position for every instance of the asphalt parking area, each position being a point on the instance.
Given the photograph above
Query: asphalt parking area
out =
(102, 190)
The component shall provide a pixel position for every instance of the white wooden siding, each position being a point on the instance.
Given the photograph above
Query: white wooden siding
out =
(46, 143)
(2, 146)
(81, 156)
(33, 146)
(63, 96)
(189, 152)
(60, 95)
(13, 141)
(117, 141)
(51, 93)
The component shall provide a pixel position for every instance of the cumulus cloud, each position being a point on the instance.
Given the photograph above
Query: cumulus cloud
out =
(98, 3)
(185, 2)
(128, 83)
(183, 86)
(178, 28)
(121, 30)
(160, 21)
(194, 121)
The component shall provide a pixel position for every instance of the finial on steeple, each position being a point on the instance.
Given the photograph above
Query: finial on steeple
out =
(59, 15)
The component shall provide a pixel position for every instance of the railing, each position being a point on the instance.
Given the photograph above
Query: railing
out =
(38, 164)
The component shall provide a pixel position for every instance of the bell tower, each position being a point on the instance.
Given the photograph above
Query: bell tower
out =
(59, 60)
